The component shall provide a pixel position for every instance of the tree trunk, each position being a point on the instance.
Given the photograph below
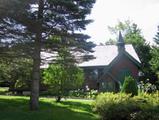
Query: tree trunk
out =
(58, 99)
(34, 98)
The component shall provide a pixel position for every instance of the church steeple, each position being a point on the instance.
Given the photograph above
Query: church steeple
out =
(120, 43)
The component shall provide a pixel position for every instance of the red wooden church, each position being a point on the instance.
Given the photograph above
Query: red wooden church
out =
(111, 65)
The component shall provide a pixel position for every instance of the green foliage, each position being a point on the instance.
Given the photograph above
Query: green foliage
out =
(17, 71)
(4, 90)
(149, 105)
(28, 24)
(156, 38)
(83, 94)
(114, 106)
(147, 87)
(130, 86)
(65, 18)
(4, 71)
(75, 94)
(110, 42)
(120, 26)
(63, 75)
(132, 34)
(155, 60)
(61, 80)
(121, 106)
(147, 64)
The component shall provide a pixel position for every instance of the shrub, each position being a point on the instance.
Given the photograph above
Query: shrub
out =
(145, 115)
(147, 87)
(80, 93)
(60, 79)
(112, 106)
(122, 106)
(130, 86)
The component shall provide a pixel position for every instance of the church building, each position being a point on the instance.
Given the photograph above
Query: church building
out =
(112, 63)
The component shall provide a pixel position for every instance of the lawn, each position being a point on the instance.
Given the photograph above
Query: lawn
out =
(3, 90)
(16, 108)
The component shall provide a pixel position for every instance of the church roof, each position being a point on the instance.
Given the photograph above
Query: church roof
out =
(105, 54)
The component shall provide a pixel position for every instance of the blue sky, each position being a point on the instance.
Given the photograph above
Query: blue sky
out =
(108, 12)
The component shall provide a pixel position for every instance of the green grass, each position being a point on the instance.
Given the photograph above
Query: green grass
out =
(16, 108)
(3, 90)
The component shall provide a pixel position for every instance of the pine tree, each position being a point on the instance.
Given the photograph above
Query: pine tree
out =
(33, 22)
(155, 56)
(156, 38)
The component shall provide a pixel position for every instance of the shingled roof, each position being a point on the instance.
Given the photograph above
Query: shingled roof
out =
(105, 54)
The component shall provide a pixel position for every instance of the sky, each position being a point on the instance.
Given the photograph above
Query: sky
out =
(108, 12)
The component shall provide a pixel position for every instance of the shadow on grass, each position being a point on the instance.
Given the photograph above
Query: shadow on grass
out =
(17, 109)
(75, 105)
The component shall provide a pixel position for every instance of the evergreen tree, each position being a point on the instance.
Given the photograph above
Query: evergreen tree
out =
(155, 59)
(130, 86)
(155, 55)
(156, 38)
(31, 23)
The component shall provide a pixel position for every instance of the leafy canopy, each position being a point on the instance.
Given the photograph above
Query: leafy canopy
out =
(131, 33)
(61, 79)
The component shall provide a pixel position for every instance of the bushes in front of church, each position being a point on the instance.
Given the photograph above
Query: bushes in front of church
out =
(91, 94)
(112, 106)
(121, 106)
(130, 86)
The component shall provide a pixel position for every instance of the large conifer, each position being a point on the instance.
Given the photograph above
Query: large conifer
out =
(32, 22)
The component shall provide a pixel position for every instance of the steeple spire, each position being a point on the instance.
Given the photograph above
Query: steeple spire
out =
(120, 43)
